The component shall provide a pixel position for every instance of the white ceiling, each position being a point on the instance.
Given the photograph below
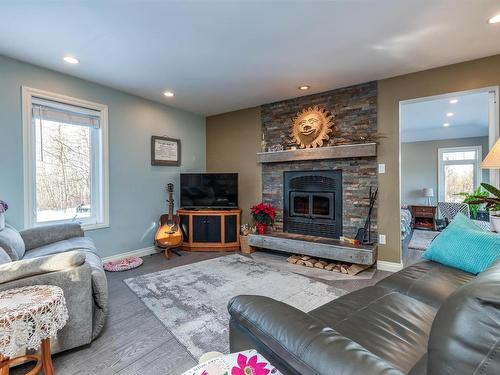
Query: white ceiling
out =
(219, 56)
(423, 120)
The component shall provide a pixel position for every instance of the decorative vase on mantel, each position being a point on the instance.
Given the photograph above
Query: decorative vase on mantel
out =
(263, 143)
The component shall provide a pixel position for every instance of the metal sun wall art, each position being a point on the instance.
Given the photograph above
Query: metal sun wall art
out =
(311, 127)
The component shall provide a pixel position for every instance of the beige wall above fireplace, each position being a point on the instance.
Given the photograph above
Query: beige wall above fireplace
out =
(232, 142)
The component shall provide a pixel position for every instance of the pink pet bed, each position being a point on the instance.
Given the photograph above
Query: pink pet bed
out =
(122, 264)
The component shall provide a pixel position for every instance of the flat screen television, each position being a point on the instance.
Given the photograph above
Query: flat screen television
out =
(209, 190)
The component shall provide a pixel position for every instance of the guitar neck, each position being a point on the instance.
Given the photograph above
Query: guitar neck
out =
(170, 206)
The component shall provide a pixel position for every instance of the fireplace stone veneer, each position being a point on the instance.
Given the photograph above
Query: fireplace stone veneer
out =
(355, 111)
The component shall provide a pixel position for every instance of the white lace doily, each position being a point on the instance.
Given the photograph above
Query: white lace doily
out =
(28, 315)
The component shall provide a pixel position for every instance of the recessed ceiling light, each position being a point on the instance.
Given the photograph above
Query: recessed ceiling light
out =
(304, 87)
(449, 114)
(71, 60)
(168, 94)
(446, 124)
(494, 19)
(453, 101)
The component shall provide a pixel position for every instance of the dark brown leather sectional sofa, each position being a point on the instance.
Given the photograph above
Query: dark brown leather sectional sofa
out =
(425, 319)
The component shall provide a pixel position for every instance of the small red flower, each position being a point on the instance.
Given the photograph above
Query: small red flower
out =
(249, 366)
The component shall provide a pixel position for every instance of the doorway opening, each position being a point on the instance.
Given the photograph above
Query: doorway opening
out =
(443, 140)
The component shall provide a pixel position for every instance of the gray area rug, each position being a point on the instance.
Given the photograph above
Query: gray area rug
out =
(279, 261)
(421, 239)
(191, 301)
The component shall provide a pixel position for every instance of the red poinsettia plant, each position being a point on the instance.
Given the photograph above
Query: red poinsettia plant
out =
(263, 215)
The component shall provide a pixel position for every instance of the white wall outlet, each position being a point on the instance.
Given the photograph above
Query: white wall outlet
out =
(381, 239)
(381, 168)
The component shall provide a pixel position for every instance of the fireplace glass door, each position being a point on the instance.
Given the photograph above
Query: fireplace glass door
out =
(322, 205)
(300, 204)
(312, 205)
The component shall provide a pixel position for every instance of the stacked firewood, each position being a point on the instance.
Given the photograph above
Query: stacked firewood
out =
(328, 265)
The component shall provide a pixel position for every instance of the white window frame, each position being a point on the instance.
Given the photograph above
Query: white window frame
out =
(441, 163)
(29, 160)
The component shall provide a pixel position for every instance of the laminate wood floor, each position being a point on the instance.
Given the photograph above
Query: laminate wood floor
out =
(134, 341)
(410, 256)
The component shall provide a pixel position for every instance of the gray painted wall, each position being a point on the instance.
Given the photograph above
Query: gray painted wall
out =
(419, 166)
(137, 190)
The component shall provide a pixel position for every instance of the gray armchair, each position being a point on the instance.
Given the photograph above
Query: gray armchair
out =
(59, 255)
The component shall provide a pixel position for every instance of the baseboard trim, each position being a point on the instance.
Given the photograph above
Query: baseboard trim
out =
(134, 253)
(381, 264)
(389, 266)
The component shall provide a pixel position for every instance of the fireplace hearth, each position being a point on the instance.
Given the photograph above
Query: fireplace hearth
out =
(312, 203)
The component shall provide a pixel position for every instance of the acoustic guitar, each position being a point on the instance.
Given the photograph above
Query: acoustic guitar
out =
(169, 235)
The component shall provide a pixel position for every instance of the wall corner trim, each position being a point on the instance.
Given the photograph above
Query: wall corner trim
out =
(382, 265)
(136, 253)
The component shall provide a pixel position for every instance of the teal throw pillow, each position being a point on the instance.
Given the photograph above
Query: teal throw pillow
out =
(465, 246)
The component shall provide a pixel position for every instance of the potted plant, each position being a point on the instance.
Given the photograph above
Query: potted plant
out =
(263, 215)
(471, 197)
(492, 202)
(3, 207)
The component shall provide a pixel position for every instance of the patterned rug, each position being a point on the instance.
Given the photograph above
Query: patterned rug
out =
(421, 239)
(191, 301)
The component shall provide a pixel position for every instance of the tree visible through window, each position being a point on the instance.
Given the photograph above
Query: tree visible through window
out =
(458, 178)
(63, 175)
(67, 159)
(458, 172)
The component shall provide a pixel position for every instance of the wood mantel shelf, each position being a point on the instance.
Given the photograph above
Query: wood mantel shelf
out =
(331, 152)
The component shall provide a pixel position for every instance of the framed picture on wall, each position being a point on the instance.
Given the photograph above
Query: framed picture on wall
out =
(165, 151)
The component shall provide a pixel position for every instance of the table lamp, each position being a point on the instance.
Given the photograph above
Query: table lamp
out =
(492, 160)
(428, 193)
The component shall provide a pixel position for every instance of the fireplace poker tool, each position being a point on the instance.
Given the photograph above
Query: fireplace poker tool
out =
(366, 230)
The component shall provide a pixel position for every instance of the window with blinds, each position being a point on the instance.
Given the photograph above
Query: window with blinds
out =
(67, 159)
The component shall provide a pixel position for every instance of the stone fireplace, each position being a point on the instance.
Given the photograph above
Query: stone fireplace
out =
(312, 203)
(324, 197)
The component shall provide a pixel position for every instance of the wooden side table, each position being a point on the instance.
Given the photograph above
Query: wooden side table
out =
(423, 217)
(29, 317)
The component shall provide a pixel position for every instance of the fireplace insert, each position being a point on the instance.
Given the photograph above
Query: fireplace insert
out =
(312, 203)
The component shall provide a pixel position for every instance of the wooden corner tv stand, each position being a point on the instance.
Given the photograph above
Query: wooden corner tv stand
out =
(210, 229)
